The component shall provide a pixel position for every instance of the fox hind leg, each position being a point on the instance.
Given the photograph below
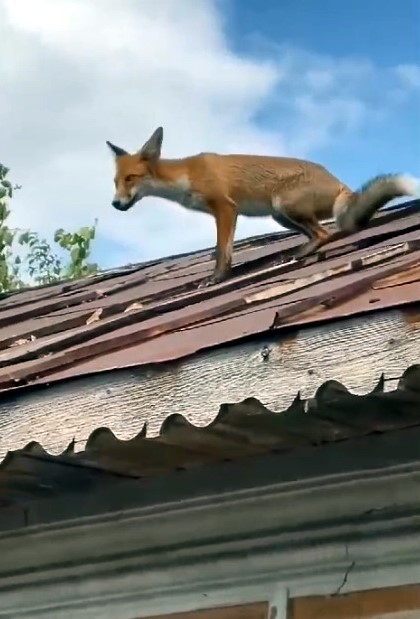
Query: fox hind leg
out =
(316, 234)
(290, 215)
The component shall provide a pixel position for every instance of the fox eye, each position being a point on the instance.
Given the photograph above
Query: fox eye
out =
(129, 178)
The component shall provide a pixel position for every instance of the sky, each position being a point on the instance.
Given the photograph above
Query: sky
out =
(339, 85)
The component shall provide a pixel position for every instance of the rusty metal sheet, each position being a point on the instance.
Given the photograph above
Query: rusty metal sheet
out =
(154, 312)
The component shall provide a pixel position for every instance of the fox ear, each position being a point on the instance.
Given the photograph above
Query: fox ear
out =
(116, 149)
(151, 149)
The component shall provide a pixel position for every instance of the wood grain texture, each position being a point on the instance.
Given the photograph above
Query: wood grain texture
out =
(355, 352)
(250, 611)
(392, 603)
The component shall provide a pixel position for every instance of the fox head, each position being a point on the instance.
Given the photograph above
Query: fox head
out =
(134, 173)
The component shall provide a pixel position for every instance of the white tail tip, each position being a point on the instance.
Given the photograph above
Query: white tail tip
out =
(409, 185)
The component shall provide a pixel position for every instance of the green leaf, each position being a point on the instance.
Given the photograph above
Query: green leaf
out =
(41, 263)
(8, 237)
(74, 254)
(24, 238)
(58, 234)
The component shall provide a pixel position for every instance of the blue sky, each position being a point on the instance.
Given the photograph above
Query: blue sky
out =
(387, 32)
(383, 33)
(339, 85)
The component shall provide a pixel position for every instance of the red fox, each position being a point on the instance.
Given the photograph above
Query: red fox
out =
(297, 194)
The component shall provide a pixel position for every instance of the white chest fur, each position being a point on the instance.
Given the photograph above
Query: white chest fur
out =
(179, 192)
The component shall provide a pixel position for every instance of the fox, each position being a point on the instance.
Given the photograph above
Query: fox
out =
(296, 193)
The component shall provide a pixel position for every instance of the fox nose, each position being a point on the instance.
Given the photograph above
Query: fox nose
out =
(119, 205)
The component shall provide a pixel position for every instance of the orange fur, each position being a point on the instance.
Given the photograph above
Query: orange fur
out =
(297, 194)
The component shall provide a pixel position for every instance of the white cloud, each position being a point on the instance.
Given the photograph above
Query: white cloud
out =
(409, 74)
(75, 73)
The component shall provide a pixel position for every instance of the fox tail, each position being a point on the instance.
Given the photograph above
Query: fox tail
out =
(354, 209)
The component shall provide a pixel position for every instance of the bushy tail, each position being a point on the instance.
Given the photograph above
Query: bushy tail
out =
(356, 209)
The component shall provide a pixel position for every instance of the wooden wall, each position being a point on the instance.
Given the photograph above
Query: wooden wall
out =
(393, 603)
(354, 351)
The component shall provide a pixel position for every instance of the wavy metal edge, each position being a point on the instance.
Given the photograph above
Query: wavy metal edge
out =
(328, 391)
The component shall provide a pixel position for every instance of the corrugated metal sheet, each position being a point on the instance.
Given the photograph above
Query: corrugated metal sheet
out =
(240, 430)
(153, 312)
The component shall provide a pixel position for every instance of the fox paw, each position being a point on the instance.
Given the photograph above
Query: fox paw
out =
(304, 250)
(214, 279)
(298, 255)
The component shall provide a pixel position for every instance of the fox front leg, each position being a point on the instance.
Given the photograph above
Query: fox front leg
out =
(226, 217)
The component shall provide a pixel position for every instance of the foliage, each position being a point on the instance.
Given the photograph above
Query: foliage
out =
(36, 257)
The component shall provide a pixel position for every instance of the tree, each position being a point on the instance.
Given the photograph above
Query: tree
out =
(23, 253)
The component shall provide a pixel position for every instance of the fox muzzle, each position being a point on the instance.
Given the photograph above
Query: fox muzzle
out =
(121, 206)
(125, 203)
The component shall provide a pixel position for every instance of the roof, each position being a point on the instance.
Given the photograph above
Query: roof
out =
(239, 431)
(153, 312)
